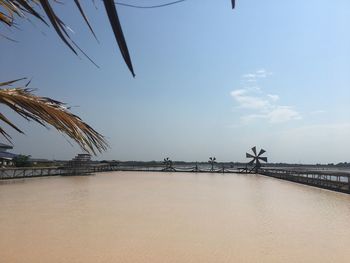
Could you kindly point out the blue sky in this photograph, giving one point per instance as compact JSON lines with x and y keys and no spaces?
{"x":209,"y":80}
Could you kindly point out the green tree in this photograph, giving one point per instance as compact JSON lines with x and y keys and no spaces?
{"x":22,"y":161}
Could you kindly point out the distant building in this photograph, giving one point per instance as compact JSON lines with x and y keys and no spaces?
{"x":82,"y":159}
{"x":79,"y":165}
{"x":6,"y":158}
{"x":5,"y":147}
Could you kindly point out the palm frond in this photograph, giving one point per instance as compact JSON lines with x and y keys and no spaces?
{"x":233,"y":2}
{"x":118,"y":32}
{"x":49,"y":112}
{"x":11,"y":9}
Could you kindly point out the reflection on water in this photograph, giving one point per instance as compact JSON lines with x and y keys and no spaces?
{"x":158,"y":217}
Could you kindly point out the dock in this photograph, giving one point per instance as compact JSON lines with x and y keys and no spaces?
{"x":331,"y":180}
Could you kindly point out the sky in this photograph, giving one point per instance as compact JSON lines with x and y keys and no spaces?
{"x":210,"y":81}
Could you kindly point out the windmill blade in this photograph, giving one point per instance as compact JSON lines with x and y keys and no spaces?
{"x":258,"y":164}
{"x":261,"y":152}
{"x":264,"y":159}
{"x":251,"y":162}
{"x":248,"y":155}
{"x":254,"y":150}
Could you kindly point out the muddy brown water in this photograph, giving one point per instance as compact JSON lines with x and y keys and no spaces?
{"x":164,"y":217}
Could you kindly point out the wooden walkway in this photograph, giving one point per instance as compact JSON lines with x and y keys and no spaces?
{"x":26,"y":172}
{"x":336,"y":181}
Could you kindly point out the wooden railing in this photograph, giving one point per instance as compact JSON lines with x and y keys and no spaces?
{"x":337,"y":181}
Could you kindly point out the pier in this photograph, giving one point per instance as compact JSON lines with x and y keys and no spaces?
{"x":27,"y":172}
{"x":331,"y":180}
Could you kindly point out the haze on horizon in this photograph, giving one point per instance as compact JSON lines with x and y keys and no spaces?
{"x":209,"y":81}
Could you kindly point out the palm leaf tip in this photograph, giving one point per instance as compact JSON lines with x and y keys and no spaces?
{"x":112,"y":14}
{"x":233,"y":2}
{"x":11,"y":9}
{"x":49,"y":112}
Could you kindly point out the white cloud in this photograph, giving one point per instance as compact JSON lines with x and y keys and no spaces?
{"x":246,"y":119}
{"x":249,"y":102}
{"x":238,"y":92}
{"x":254,"y":88}
{"x":249,"y":76}
{"x":318,"y":112}
{"x":262,"y":106}
{"x":273,"y":97}
{"x":283,"y":114}
{"x":251,"y":80}
{"x":278,"y":114}
{"x":261,"y":71}
{"x":258,"y":74}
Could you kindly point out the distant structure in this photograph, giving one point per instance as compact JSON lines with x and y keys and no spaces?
{"x":196,"y":168}
{"x":80,"y":164}
{"x":212,"y":161}
{"x":256,"y":158}
{"x":6,"y":158}
{"x":168,"y":165}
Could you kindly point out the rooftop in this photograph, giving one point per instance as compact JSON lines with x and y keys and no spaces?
{"x":6,"y":155}
{"x":6,"y":146}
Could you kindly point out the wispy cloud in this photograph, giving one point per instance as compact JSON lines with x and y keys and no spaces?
{"x":258,"y":74}
{"x":273,"y":97}
{"x":249,"y":76}
{"x":318,"y":112}
{"x":260,"y":105}
{"x":283,"y":114}
{"x":247,"y":101}
{"x":278,"y":114}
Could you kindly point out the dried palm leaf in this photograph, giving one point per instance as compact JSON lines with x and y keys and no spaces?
{"x":118,"y":32}
{"x":10,"y":9}
{"x":47,"y":112}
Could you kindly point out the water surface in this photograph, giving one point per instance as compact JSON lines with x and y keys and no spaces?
{"x":160,"y":217}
